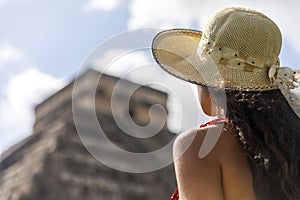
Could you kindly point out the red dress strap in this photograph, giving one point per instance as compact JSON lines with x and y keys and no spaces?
{"x":175,"y":195}
{"x":214,"y":121}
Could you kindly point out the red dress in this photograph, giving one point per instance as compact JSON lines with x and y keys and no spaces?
{"x":175,"y":195}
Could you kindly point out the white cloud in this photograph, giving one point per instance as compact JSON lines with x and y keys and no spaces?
{"x":119,"y":61}
{"x":103,"y":5}
{"x":9,"y":53}
{"x":166,"y":14}
{"x":157,"y":13}
{"x":23,"y":92}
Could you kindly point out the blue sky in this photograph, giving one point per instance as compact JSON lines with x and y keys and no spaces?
{"x":44,"y":43}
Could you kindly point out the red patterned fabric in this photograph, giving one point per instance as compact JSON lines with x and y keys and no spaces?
{"x":175,"y":195}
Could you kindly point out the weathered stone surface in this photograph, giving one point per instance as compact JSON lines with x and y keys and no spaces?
{"x":53,"y":163}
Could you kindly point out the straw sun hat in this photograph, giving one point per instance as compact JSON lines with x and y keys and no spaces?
{"x":238,"y":50}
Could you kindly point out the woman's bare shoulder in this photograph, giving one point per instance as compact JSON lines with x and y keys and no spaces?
{"x":199,"y":177}
{"x":207,"y":140}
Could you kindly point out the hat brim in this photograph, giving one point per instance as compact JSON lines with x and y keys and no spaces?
{"x":172,"y":50}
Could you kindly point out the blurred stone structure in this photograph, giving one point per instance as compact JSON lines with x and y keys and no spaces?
{"x":53,"y":163}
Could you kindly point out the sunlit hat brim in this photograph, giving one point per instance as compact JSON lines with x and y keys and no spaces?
{"x":171,"y":48}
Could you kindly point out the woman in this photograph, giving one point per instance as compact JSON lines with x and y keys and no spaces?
{"x":252,"y":150}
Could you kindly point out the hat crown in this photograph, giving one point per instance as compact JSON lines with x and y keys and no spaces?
{"x":247,"y":31}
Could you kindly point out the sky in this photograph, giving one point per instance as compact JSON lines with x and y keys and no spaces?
{"x":45,"y":44}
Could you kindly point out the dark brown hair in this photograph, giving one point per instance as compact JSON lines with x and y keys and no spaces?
{"x":269,"y":131}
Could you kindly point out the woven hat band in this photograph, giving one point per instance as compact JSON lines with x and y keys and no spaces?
{"x":234,"y":74}
{"x":232,"y":59}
